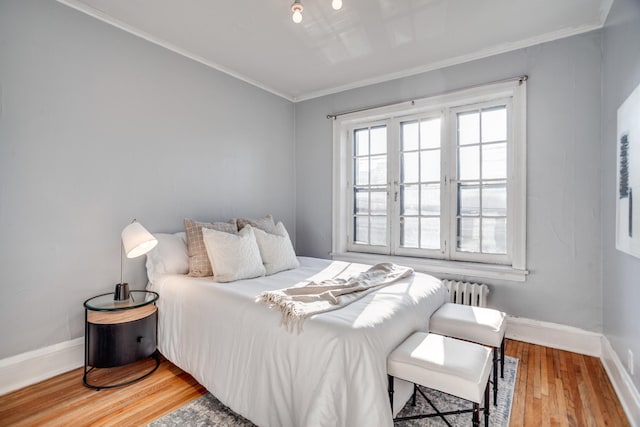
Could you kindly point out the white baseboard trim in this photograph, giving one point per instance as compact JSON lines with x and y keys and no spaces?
{"x":38,"y":365}
{"x":34,"y":366}
{"x":554,"y":335}
{"x":622,"y":383}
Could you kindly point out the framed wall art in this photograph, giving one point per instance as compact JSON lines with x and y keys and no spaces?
{"x":628,"y":175}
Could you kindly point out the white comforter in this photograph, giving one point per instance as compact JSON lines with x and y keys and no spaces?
{"x":331,"y":374}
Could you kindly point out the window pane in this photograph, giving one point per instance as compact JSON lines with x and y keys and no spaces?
{"x":468,"y":128}
{"x":469,"y":163}
{"x":378,"y":203}
{"x":361,"y":202}
{"x":469,"y":234}
{"x":409,"y":136}
{"x":468,"y":200}
{"x":378,"y":170}
{"x":430,"y":133}
{"x":430,"y":199}
{"x":362,"y":171}
{"x":494,"y":161}
{"x":409,"y":200}
{"x":378,"y":230}
{"x":494,"y":124}
{"x":494,"y":235}
{"x":430,"y":166}
{"x":379,"y":140}
{"x":410,"y":167}
{"x":494,"y":200}
{"x":361,"y":229}
{"x":430,"y":233}
{"x":409,"y":232}
{"x":362,"y":142}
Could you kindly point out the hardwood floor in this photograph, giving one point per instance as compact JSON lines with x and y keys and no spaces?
{"x":553,"y":387}
{"x":559,"y":388}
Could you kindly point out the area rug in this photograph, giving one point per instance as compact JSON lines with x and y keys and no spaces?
{"x":207,"y":411}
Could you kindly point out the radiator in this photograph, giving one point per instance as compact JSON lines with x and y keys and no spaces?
{"x":467,"y":293}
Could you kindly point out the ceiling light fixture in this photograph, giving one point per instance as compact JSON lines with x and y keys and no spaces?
{"x":297,"y":9}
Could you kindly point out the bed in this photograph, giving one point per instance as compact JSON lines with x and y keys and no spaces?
{"x":332,"y":373}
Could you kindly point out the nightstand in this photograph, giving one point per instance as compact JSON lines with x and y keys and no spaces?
{"x":118,"y":333}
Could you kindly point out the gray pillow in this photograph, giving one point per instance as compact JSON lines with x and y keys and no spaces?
{"x":265,"y":223}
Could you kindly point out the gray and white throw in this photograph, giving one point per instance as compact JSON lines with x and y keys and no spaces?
{"x":309,"y":298}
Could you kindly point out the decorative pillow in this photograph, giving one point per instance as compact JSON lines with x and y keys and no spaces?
{"x":266,"y":223}
{"x":170,"y":255}
{"x":276,"y":250}
{"x":233,"y":256}
{"x":199,"y":265}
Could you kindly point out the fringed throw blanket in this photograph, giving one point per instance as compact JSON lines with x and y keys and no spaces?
{"x":303,"y":300}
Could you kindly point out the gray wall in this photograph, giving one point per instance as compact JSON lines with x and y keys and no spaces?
{"x":621,"y":272}
{"x":98,"y":127}
{"x":563,"y":160}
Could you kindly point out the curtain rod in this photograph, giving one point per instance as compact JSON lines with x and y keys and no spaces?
{"x":334,"y":116}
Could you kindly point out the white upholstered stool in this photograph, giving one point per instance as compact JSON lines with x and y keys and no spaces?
{"x":445,"y":364}
{"x":480,"y":325}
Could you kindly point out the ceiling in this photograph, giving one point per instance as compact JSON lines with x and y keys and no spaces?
{"x":367,"y":41}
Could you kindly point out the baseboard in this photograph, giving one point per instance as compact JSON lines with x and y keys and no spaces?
{"x":29,"y":368}
{"x":622,"y":383}
{"x":554,"y":335}
{"x":38,"y":365}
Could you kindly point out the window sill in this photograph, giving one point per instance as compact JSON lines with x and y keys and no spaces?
{"x":456,"y":269}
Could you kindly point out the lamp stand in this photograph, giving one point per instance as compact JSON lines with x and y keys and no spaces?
{"x":121,"y":292}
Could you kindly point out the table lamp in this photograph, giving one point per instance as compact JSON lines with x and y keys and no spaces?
{"x":136,"y":241}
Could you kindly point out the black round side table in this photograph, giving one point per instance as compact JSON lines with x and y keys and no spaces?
{"x":120,"y":332}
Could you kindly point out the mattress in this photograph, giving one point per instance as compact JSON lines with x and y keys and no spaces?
{"x":332,"y":373}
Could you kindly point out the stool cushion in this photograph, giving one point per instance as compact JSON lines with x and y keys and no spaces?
{"x":441,"y":363}
{"x":476,"y":324}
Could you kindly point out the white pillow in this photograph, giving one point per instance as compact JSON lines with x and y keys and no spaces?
{"x":169,"y":256}
{"x":233,"y":256}
{"x":276,"y":250}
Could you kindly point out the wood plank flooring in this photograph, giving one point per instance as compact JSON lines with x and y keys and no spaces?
{"x":559,"y":388}
{"x":553,"y":388}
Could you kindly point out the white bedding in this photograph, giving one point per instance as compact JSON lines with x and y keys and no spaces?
{"x":331,"y":374}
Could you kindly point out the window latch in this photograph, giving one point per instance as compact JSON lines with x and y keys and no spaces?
{"x":395,"y":196}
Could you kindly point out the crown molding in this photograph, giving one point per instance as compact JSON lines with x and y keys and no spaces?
{"x":481,"y":54}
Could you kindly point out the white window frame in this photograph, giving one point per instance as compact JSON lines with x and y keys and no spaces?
{"x":449,"y":262}
{"x":453,"y":251}
{"x":352,"y":246}
{"x":395,"y":246}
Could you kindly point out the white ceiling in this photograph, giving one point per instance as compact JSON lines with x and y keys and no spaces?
{"x":368,"y":41}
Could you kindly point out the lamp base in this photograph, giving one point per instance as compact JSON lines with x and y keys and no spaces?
{"x":121,"y":292}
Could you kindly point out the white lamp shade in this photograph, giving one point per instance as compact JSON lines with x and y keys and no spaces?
{"x":136,"y":240}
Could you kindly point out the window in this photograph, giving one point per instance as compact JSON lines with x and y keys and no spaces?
{"x":440,"y":179}
{"x":370,"y":186}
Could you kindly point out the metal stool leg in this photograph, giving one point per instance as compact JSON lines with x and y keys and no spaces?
{"x":413,"y":398}
{"x":486,"y":405}
{"x":495,"y":376}
{"x":502,"y":359}
{"x":390,"y":378}
{"x":475,"y":420}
